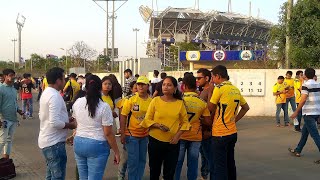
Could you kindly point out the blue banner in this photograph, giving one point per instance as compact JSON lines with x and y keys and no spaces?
{"x":220,"y":55}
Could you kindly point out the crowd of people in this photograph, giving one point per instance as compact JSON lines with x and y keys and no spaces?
{"x":164,"y":118}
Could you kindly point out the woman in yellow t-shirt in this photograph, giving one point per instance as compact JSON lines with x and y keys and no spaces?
{"x":133,"y":136}
{"x":107,"y":95}
{"x":167,"y":119}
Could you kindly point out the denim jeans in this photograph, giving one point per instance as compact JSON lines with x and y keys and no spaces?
{"x":137,"y":156}
{"x":292,"y":101}
{"x":284,"y":107}
{"x":56,"y":159}
{"x":224,"y":167}
{"x":6,"y":136}
{"x":192,"y":148}
{"x":91,"y":156}
{"x":299,"y":117}
{"x":28,"y":102}
{"x":123,"y":164}
{"x":206,"y":156}
{"x":309,"y":127}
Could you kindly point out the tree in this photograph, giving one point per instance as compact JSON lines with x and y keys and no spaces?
{"x":305,"y":34}
{"x":304,"y":29}
{"x":81,"y":52}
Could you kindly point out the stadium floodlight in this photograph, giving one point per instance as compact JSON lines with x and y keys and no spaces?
{"x":20,"y":23}
{"x":20,"y":20}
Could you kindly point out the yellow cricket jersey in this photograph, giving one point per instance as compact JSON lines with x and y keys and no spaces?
{"x":75,"y":87}
{"x":289,"y":83}
{"x":107,"y":99}
{"x":297,"y":88}
{"x":171,"y":114}
{"x":281,"y":98}
{"x":135,"y":108}
{"x":45,"y":83}
{"x":196,"y":107}
{"x":228,"y":99}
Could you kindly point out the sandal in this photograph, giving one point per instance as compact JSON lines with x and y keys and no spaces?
{"x":295,"y":153}
{"x":317,"y":161}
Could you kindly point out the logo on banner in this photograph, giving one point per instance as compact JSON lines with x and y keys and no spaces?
{"x":193,"y":55}
{"x":219,"y":55}
{"x":246,"y":55}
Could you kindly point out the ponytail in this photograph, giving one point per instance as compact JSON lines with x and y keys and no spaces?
{"x":93,"y":85}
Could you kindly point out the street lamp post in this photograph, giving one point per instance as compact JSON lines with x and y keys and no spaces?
{"x":66,"y":59}
{"x":20,"y":23}
{"x":14,"y":53}
{"x":136,"y":30}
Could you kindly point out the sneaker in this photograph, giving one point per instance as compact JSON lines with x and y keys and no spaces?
{"x":30,"y":117}
{"x":118,"y":135}
{"x":296,"y":130}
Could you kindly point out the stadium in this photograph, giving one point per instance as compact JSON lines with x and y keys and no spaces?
{"x":218,"y":36}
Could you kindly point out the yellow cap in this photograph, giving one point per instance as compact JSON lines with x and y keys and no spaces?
{"x":143,"y":80}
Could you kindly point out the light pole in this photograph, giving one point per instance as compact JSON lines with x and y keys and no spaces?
{"x":66,"y":59}
{"x":136,"y":30}
{"x":14,"y":53}
{"x":20,"y":23}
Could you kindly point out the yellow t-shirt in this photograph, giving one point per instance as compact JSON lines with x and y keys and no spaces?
{"x":297,"y":88}
{"x":107,"y":99}
{"x":75,"y":87}
{"x":121,"y":102}
{"x":45,"y":83}
{"x":228,"y":99}
{"x":196,"y":108}
{"x":171,"y":114}
{"x":289,"y":83}
{"x":281,"y":98}
{"x":135,"y":108}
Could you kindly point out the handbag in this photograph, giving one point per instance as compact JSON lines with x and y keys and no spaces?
{"x":7,"y":169}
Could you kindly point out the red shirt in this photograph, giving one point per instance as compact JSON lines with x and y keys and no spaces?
{"x":26,"y":86}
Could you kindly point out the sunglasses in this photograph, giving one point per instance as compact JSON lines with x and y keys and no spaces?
{"x":198,"y":78}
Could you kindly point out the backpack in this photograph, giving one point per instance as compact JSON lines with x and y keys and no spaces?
{"x":68,"y":95}
{"x":7,"y":169}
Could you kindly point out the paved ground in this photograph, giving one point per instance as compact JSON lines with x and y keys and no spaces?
{"x":261,"y":153}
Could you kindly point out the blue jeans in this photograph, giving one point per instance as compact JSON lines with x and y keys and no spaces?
{"x":123,"y":164}
{"x":28,"y":102}
{"x":137,"y":156}
{"x":309,"y":127}
{"x":193,"y":148}
{"x":298,"y":127}
{"x":6,"y":136}
{"x":56,"y":159}
{"x":205,"y":151}
{"x":292,"y":101}
{"x":284,"y":107}
{"x":224,"y":166}
{"x":91,"y":156}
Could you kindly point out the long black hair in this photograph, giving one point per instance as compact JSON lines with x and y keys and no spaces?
{"x":116,"y":87}
{"x":177,"y":94}
{"x":111,"y":92}
{"x":93,"y":86}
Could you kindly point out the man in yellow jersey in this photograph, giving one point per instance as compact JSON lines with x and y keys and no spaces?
{"x":190,"y":141}
{"x":289,"y":84}
{"x":133,"y":135}
{"x":298,"y":81}
{"x":279,"y":90}
{"x":225,"y":102}
{"x":74,"y":85}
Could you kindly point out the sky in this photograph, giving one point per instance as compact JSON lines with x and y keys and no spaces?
{"x":54,"y":24}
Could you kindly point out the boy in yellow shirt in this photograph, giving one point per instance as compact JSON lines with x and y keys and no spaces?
{"x":289,"y":84}
{"x":280,"y":91}
{"x":298,"y":81}
{"x":224,"y":103}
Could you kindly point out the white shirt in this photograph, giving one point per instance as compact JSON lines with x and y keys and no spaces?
{"x":155,"y":80}
{"x":89,"y":127}
{"x":53,"y":115}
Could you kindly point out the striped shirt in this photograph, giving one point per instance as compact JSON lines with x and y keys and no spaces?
{"x":312,"y":105}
